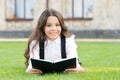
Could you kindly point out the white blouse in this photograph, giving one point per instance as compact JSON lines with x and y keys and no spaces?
{"x":53,"y":50}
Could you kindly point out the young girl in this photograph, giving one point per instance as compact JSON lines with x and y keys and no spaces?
{"x":49,"y":30}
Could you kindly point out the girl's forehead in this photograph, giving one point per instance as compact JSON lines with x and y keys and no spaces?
{"x":52,"y":19}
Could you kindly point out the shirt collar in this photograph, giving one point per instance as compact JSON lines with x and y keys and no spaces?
{"x":56,"y":41}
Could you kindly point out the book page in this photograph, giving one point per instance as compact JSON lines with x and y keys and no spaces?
{"x":44,"y":60}
{"x":62,"y":60}
{"x":55,"y":61}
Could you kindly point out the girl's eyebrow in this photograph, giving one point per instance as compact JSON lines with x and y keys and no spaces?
{"x":48,"y":23}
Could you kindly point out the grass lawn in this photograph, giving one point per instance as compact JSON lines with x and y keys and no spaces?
{"x":101,"y":61}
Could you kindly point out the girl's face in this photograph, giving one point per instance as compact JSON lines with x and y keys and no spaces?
{"x":52,"y":28}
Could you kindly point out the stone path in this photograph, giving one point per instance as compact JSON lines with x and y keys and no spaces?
{"x":81,"y":40}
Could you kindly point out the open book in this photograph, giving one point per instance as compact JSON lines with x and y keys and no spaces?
{"x":58,"y":66}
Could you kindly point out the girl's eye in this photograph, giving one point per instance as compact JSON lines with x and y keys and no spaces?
{"x":48,"y":25}
{"x":57,"y":24}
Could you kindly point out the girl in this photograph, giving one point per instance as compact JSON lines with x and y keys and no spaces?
{"x":49,"y":30}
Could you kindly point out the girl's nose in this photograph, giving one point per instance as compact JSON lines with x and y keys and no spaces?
{"x":53,"y":27}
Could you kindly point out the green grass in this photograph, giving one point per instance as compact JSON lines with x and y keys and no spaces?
{"x":100,"y":60}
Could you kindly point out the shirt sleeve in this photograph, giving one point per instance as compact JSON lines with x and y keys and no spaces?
{"x":31,"y":55}
{"x":71,"y":49}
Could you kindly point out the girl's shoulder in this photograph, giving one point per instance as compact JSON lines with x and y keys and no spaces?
{"x":33,"y":42}
{"x":70,"y":42}
{"x":70,"y":38}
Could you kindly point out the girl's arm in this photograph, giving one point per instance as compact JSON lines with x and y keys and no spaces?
{"x":77,"y":70}
{"x":34,"y":71}
{"x":33,"y":55}
{"x":71,"y":50}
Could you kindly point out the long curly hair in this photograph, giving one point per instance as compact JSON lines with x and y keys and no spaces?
{"x":39,"y":35}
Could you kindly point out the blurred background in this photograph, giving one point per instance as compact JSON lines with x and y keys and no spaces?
{"x":84,"y":18}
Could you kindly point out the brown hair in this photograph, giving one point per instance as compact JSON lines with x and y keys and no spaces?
{"x":39,"y":35}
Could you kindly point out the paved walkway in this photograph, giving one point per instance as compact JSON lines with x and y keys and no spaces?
{"x":81,"y":40}
{"x":98,"y":40}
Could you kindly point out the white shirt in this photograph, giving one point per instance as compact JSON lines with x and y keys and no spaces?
{"x":53,"y":50}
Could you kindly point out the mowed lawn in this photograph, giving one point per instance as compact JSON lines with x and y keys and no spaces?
{"x":101,"y":61}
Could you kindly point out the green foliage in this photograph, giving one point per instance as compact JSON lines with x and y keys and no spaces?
{"x":100,"y":60}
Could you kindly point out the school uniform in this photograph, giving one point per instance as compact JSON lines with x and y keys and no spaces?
{"x":52,"y":50}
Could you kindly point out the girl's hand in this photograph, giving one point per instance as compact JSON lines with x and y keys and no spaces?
{"x":77,"y":70}
{"x":35,"y":71}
